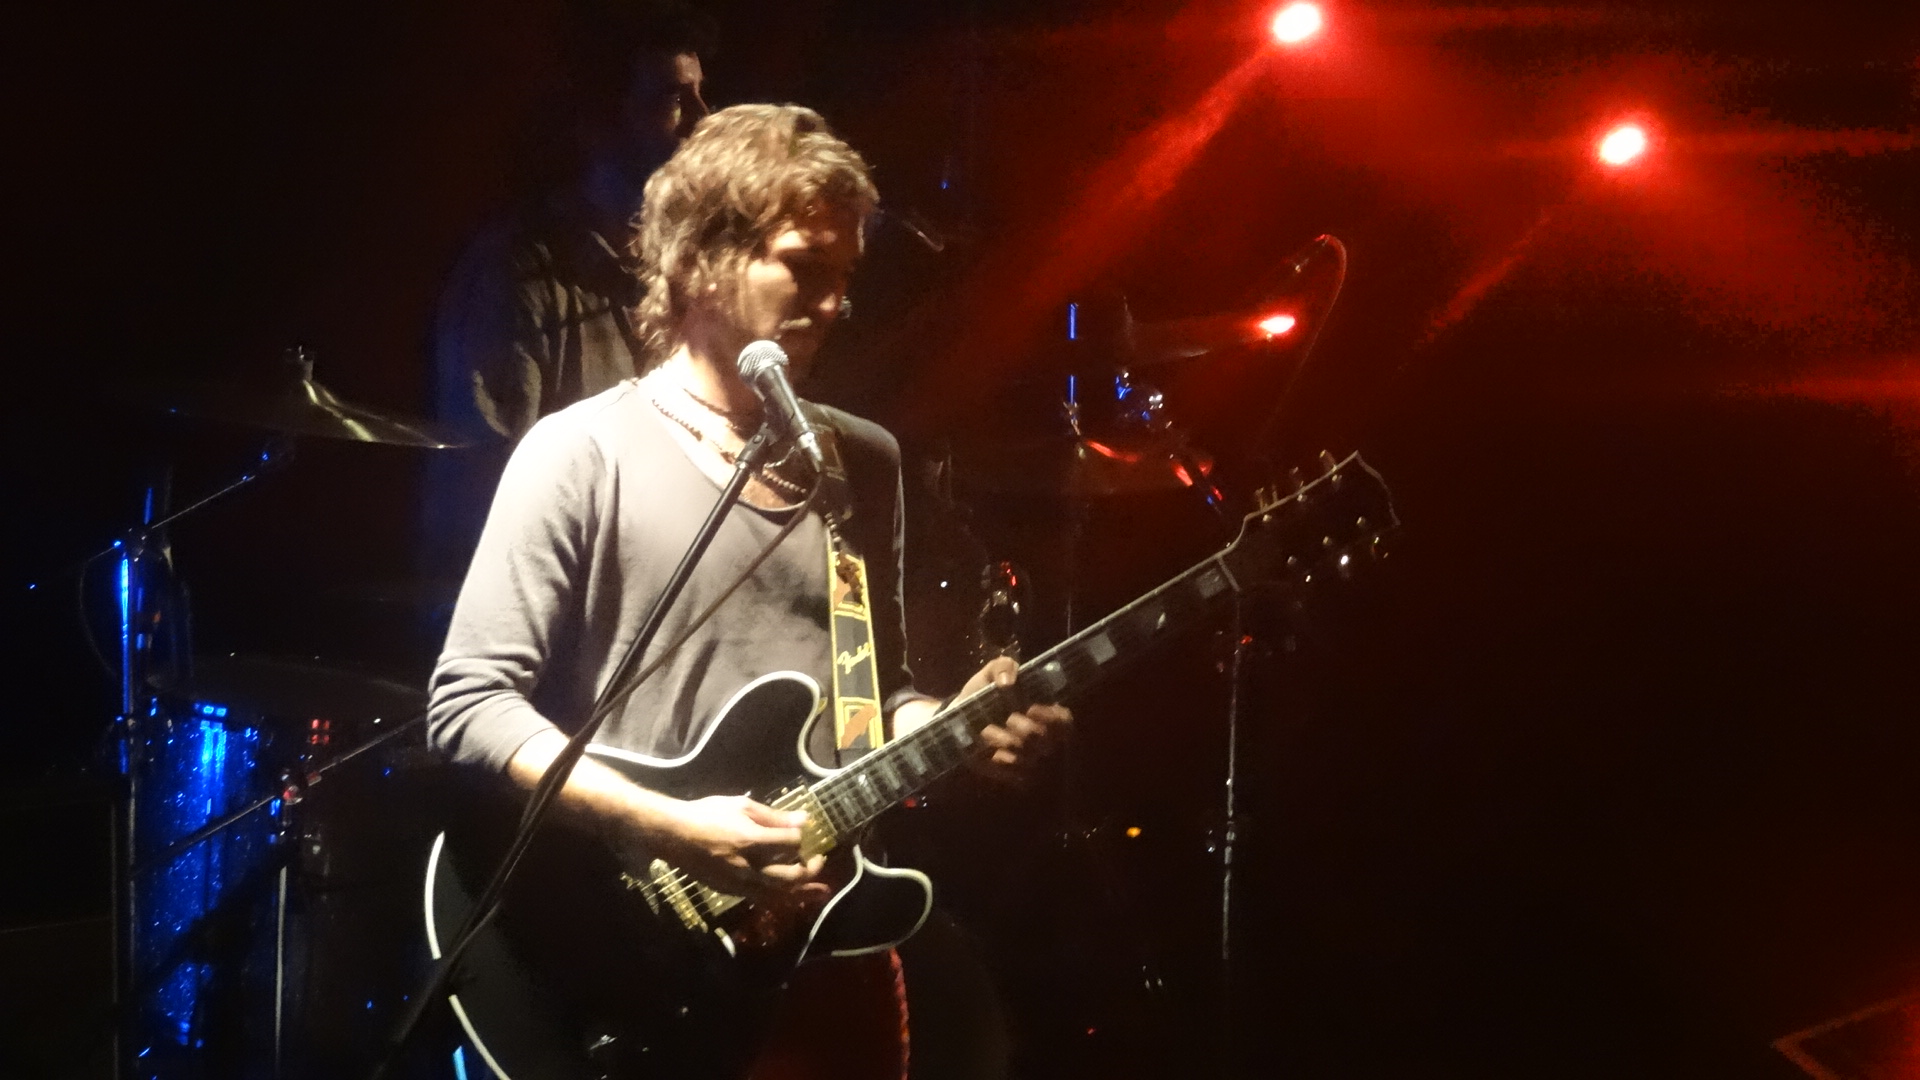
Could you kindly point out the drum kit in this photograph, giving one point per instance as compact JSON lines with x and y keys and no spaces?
{"x":262,"y":873}
{"x":263,"y":900}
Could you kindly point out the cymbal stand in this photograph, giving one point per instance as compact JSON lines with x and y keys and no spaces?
{"x":1078,"y":510}
{"x":137,"y":615}
{"x":143,"y":573}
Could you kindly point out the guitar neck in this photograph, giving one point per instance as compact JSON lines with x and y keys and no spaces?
{"x":857,"y":795}
{"x":1286,"y":539}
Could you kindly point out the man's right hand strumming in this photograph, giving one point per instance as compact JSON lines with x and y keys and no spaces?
{"x":729,"y":842}
{"x":736,"y":844}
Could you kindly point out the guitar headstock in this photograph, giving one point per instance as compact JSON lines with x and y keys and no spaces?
{"x":1324,"y":525}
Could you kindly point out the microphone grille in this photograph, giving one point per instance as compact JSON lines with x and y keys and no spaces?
{"x":760,"y":356}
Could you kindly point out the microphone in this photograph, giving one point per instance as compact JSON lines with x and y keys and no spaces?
{"x":763,"y":365}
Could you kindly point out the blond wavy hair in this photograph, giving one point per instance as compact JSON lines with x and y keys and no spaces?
{"x":743,"y":174}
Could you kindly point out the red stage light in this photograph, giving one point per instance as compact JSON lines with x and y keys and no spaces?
{"x":1296,"y":23}
{"x":1623,"y":144}
{"x":1275,"y":325}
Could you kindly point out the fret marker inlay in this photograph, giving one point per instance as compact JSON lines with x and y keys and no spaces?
{"x":1100,"y":647}
{"x":1051,"y":678}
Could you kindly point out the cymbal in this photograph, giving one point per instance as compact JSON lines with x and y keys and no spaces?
{"x":1081,"y":467}
{"x":1172,"y":340}
{"x":298,"y":689}
{"x":294,"y":403}
{"x":1292,"y":295}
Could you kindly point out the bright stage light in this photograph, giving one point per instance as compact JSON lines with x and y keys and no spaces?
{"x":1296,"y":23}
{"x":1275,"y":325}
{"x":1622,"y":145}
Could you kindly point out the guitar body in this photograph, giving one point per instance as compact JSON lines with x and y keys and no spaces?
{"x":581,"y":976}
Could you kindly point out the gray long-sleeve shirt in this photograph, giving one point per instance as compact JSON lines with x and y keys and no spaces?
{"x":593,"y":511}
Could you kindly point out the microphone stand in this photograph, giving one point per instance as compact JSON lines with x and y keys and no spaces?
{"x":540,"y":803}
{"x":1229,"y":1064}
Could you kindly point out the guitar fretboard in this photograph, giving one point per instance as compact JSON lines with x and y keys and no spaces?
{"x":862,"y":792}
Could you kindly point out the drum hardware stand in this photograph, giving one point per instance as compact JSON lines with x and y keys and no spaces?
{"x":286,"y":838}
{"x":295,"y":406}
{"x":135,"y":653}
{"x":293,"y":789}
{"x":1076,"y":511}
{"x":1229,"y":834}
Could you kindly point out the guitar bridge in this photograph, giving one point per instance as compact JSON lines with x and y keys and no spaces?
{"x":677,"y":890}
{"x":644,"y":888}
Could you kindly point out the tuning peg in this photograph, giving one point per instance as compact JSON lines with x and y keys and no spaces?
{"x":1328,"y":465}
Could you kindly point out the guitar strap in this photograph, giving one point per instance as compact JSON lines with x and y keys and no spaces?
{"x":856,"y":690}
{"x":857,"y":724}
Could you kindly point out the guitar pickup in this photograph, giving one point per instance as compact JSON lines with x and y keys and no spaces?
{"x":817,"y":836}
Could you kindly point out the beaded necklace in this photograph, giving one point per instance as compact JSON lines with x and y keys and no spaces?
{"x":739,"y":421}
{"x":766,"y":475}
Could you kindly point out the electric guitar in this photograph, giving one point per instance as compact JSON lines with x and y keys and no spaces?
{"x":608,"y":964}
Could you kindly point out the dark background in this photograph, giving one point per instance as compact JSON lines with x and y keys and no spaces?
{"x":1609,"y":770}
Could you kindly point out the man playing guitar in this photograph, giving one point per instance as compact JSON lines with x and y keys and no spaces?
{"x":750,"y":233}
